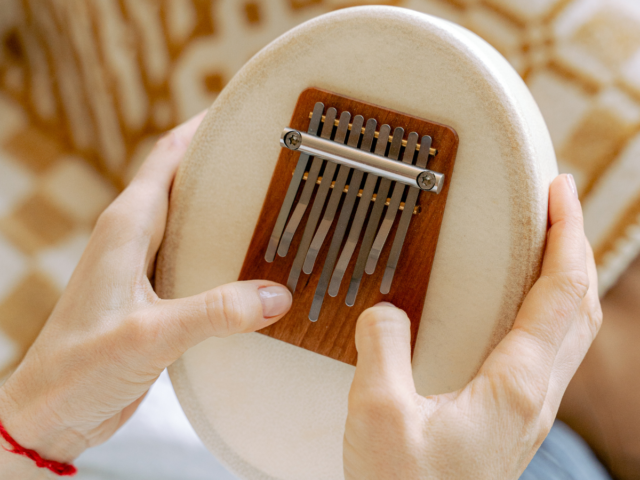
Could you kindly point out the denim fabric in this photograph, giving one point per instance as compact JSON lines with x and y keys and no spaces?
{"x":564,"y":456}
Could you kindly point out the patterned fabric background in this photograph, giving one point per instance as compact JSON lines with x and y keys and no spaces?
{"x":87,"y":85}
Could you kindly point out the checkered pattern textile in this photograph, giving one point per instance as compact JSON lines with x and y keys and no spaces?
{"x":87,"y":85}
{"x":49,"y":199}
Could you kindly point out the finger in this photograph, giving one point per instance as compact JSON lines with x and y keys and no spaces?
{"x":553,"y":302}
{"x":565,"y":252}
{"x":140,"y":211}
{"x":524,"y":358}
{"x":238,"y":307}
{"x":150,"y":187}
{"x":383,"y":408}
{"x":383,"y":341}
{"x":161,"y":164}
{"x":578,"y":339}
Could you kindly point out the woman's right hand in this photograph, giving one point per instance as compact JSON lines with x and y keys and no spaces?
{"x":491,"y":428}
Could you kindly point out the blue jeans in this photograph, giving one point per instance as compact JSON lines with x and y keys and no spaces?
{"x":564,"y":456}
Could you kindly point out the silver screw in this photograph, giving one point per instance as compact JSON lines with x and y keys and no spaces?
{"x":293,"y":140}
{"x":426,"y":180}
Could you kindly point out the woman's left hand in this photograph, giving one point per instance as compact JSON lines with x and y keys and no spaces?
{"x":110,"y":336}
{"x":492,"y":427}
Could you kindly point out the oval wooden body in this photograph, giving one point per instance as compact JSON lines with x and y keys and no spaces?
{"x":271,"y":410}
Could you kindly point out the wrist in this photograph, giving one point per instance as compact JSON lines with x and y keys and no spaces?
{"x":16,"y":466}
{"x":35,"y":429}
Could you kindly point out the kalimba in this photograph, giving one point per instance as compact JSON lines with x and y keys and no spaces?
{"x":370,"y":173}
{"x":267,"y":408}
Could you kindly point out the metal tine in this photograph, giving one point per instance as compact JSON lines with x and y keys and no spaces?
{"x":318,"y":203}
{"x":334,"y":200}
{"x":307,"y":191}
{"x":358,"y":220}
{"x":343,"y":221}
{"x":374,"y":220}
{"x":405,"y":219}
{"x":298,"y":173}
{"x":392,"y":209}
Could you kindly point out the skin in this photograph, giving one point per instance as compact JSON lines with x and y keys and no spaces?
{"x":110,"y":336}
{"x":492,"y":427}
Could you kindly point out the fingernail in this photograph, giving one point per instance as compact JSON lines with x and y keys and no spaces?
{"x":385,"y":304}
{"x":276,"y":300}
{"x":572,"y":184}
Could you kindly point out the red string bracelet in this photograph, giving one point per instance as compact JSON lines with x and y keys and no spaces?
{"x":62,"y":469}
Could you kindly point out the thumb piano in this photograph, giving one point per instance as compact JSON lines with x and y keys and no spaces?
{"x":366,"y":233}
{"x":307,"y":171}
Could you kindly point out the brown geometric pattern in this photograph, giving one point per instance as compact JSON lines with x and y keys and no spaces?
{"x":49,"y":200}
{"x":88,"y":84}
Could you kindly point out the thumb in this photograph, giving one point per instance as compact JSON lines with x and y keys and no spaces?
{"x":383,"y":341}
{"x":237,"y":307}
